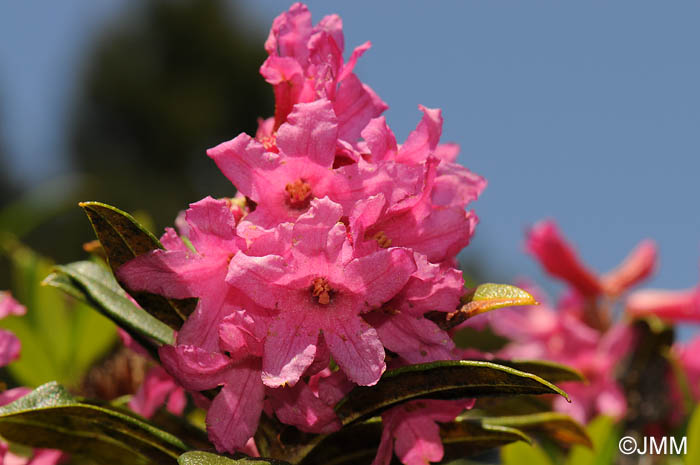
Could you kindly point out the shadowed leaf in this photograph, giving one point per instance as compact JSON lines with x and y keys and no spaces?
{"x":207,"y":458}
{"x":440,"y":380}
{"x":123,"y":238}
{"x":551,"y":371}
{"x":49,"y":417}
{"x":557,"y":426}
{"x":358,"y":443}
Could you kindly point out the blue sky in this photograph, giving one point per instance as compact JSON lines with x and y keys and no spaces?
{"x":585,"y":112}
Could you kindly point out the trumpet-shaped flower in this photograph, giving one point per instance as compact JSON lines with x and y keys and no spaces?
{"x":317,"y":285}
{"x":283,"y":183}
{"x":305,"y":64}
{"x":559,"y":258}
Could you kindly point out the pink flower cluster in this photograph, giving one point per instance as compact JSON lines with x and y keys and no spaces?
{"x":674,"y":306}
{"x":578,"y":331}
{"x":9,"y":351}
{"x":337,"y":244}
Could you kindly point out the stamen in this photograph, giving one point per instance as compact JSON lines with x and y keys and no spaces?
{"x":298,"y":194}
{"x":270,"y":143}
{"x":321,"y":289}
{"x":383,"y":241}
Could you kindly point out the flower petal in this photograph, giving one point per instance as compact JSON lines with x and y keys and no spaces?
{"x":195,"y":369}
{"x":380,"y":275}
{"x":310,"y":132}
{"x":9,"y":347}
{"x":638,"y":265}
{"x":235,"y":412}
{"x":546,"y":243}
{"x":290,"y":348}
{"x":356,"y":348}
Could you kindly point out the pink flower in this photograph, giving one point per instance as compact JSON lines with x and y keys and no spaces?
{"x":283,"y":183}
{"x":401,"y":325}
{"x":158,"y":388}
{"x":9,"y":306}
{"x":674,"y":306}
{"x":601,"y":394}
{"x":179,"y":272}
{"x":433,"y":223}
{"x":638,"y":265}
{"x":233,"y":415}
{"x":688,"y":355}
{"x":411,"y":430}
{"x":306,"y":63}
{"x":317,"y":285}
{"x":9,"y":344}
{"x":559,"y":335}
{"x":559,"y":258}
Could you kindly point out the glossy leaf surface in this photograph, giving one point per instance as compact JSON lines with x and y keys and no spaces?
{"x":123,"y":238}
{"x":49,"y":417}
{"x":440,"y":380}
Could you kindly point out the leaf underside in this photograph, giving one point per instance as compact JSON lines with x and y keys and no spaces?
{"x":123,"y":239}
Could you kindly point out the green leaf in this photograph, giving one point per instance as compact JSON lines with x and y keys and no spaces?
{"x":358,"y":443}
{"x":519,"y":454}
{"x":557,"y":426}
{"x":56,"y":343}
{"x":123,"y":238}
{"x":467,"y":437}
{"x":483,"y":299}
{"x":693,"y":435}
{"x":605,"y":436}
{"x":493,"y":296}
{"x":551,"y":371}
{"x":207,"y":458}
{"x":98,"y":287}
{"x":49,"y":417}
{"x":439,"y":380}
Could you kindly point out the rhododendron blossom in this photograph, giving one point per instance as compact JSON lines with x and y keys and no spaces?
{"x":337,"y":244}
{"x":412,"y":430}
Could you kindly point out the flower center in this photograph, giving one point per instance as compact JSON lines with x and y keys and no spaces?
{"x":383,"y":241}
{"x":270,"y":143}
{"x":321,"y":289}
{"x":298,"y":194}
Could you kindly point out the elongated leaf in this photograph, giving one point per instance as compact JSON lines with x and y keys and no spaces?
{"x":557,"y":426}
{"x":49,"y":417}
{"x":551,"y":371}
{"x":465,"y":437}
{"x":207,"y":458}
{"x":358,"y":443}
{"x":123,"y":238}
{"x":98,"y":287}
{"x":484,"y":298}
{"x":440,"y":380}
